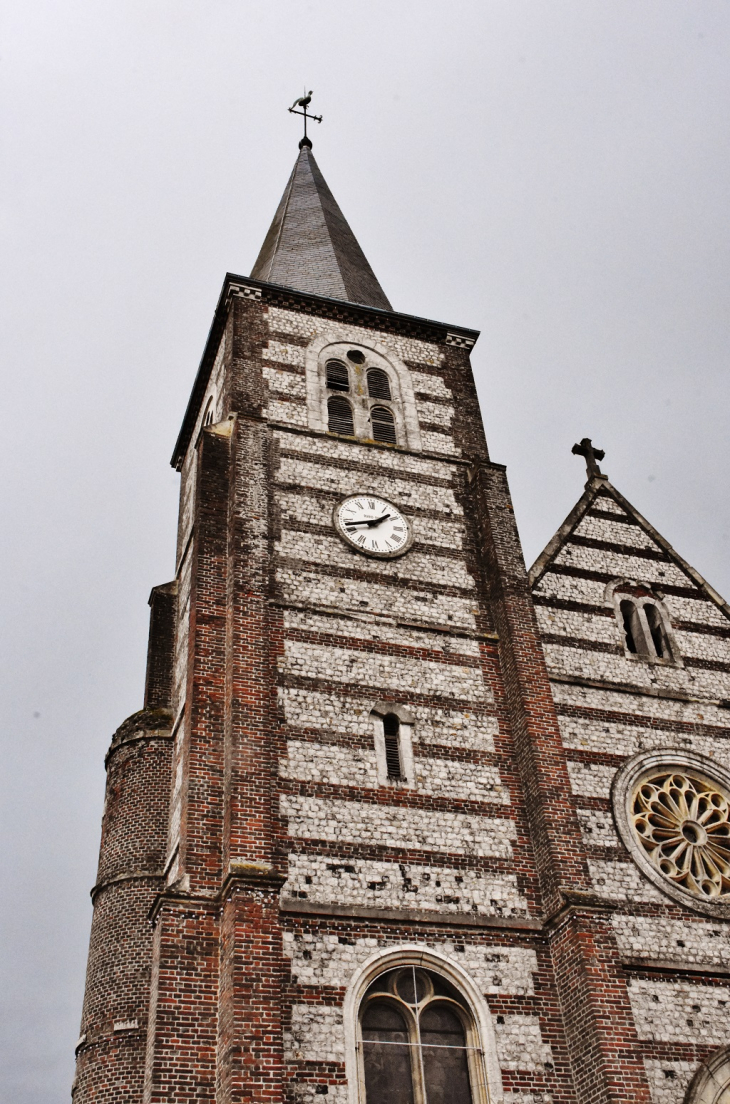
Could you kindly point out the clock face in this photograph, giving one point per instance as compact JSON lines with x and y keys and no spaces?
{"x":373,"y":526}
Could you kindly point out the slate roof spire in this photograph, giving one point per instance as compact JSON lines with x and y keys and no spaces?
{"x":310,"y":247}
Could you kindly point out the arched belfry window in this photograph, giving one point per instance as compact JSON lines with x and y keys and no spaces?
{"x":383,"y":424}
{"x":418,"y":1041}
{"x":644,"y":624}
{"x":378,"y":384}
{"x":338,"y":377}
{"x":339,"y":414}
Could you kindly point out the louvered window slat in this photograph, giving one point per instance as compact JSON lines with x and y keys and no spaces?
{"x":383,"y":425}
{"x":339,"y":414}
{"x":378,"y":384}
{"x":391,"y":731}
{"x":338,"y":377}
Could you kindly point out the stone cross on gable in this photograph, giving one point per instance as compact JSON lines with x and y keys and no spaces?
{"x":592,"y":456}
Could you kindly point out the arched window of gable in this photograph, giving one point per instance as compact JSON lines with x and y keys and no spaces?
{"x":644,"y":623}
{"x":339,"y":414}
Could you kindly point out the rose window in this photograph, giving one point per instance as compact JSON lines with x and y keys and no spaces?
{"x":682,"y":821}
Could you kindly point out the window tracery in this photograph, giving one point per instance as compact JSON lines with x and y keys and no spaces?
{"x":672,"y":810}
{"x":418,"y":1040}
{"x":682,"y":821}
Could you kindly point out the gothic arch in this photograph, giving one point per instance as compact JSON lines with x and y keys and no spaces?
{"x":488,"y":1090}
{"x":403,"y":404}
{"x":711,"y":1083}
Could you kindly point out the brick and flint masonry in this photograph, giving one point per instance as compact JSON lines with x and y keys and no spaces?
{"x":254,"y":860}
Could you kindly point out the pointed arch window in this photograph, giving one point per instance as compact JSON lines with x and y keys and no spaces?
{"x":379,"y":384}
{"x":383,"y":424}
{"x":418,"y":1041}
{"x":339,"y":414}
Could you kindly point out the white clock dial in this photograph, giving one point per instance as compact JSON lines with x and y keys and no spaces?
{"x":373,"y":525}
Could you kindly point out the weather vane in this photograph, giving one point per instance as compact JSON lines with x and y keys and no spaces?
{"x":304,"y":102}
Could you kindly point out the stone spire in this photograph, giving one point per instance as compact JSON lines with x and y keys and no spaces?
{"x":310,"y":247}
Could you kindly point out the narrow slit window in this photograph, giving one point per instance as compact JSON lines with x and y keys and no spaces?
{"x":338,"y":377}
{"x":378,"y":384}
{"x":391,"y":732}
{"x":339,"y":414}
{"x":383,"y":425}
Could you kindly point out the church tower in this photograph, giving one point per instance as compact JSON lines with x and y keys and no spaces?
{"x":350,"y":847}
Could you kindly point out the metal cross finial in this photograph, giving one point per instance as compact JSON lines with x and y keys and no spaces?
{"x":592,"y":456}
{"x":304,"y":102}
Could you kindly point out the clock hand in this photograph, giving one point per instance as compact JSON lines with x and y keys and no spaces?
{"x":369,"y":522}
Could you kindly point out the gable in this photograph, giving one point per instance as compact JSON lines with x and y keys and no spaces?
{"x":606,"y":544}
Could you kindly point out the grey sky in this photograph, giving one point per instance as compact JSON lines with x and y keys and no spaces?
{"x":554,"y":174}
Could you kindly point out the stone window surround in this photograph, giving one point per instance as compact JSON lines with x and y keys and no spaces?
{"x":402,"y":405}
{"x":486,"y":1089}
{"x":622,"y":791}
{"x":618,"y":590}
{"x":711,"y":1083}
{"x":405,"y":744}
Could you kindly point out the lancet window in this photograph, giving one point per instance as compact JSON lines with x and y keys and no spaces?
{"x":418,"y":1041}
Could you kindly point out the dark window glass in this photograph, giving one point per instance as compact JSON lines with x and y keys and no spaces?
{"x":386,"y":1056}
{"x":656,"y":628}
{"x":378,"y":384}
{"x":631,"y":626}
{"x":383,"y":425}
{"x":391,"y":730}
{"x":356,"y":356}
{"x":339,"y":413}
{"x":338,"y":377}
{"x":445,"y":1065}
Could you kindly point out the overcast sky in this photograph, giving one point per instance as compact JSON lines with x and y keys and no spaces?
{"x":554,"y":174}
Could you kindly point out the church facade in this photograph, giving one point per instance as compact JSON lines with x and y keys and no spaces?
{"x":400,"y":822}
